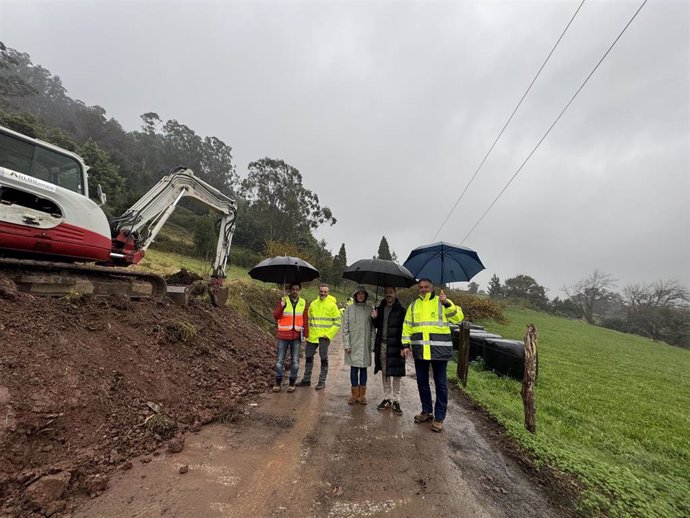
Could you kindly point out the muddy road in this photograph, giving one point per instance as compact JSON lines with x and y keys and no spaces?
{"x":309,"y":453}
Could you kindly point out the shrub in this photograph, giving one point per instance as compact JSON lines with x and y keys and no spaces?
{"x":244,"y":257}
{"x":254,"y":301}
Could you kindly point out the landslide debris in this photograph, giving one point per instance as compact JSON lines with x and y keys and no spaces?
{"x":87,"y":384}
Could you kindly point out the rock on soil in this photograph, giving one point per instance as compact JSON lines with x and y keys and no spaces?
{"x":76,"y":377}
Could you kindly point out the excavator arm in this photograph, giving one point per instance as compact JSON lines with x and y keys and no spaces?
{"x":137,"y":228}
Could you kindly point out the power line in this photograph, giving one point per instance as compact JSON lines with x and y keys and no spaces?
{"x":555,"y":121}
{"x":508,"y":121}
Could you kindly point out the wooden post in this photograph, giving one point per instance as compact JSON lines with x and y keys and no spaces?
{"x":529,"y":378}
{"x":464,"y":352}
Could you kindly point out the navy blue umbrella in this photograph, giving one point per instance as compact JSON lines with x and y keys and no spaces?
{"x":444,"y":263}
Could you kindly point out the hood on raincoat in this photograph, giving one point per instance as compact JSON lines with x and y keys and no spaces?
{"x":357,"y":290}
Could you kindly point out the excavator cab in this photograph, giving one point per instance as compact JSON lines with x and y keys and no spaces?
{"x":46,"y":214}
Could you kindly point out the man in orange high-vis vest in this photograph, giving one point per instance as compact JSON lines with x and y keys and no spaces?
{"x":293,"y":328}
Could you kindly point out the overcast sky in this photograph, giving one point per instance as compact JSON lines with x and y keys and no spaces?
{"x":387,"y":109}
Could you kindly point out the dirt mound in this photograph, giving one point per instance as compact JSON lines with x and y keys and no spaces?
{"x":183,"y":278}
{"x":85,"y":384}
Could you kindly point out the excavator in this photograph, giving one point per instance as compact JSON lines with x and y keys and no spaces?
{"x":54,"y":239}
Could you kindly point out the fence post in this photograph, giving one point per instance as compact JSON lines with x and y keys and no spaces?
{"x":464,"y":352}
{"x":529,"y":378}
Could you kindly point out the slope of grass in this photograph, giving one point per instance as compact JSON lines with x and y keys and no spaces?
{"x":252,"y":298}
{"x":166,"y":263}
{"x":612,"y":409}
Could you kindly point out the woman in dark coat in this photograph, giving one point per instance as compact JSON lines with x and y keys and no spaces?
{"x":388,"y":358}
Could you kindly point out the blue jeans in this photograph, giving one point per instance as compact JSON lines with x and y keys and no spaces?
{"x":294,"y":357}
{"x":358,"y":376}
{"x":421,"y":368}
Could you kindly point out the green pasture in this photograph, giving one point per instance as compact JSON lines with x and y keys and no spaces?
{"x":612,"y":409}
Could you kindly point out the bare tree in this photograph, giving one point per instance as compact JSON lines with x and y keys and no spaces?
{"x":588,"y":293}
{"x":656,"y":310}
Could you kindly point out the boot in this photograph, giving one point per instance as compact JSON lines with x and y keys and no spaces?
{"x":355,"y":396}
{"x":306,"y":379}
{"x":291,"y":386}
{"x":362,"y":400}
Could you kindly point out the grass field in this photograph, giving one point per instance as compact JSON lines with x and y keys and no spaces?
{"x":613,"y":410}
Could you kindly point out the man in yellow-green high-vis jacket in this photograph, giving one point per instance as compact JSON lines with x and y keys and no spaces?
{"x":426,"y":331}
{"x":324,"y":324}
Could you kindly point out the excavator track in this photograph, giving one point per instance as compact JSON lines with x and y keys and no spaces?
{"x":54,"y":279}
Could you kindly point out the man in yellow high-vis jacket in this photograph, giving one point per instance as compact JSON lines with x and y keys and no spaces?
{"x":324,"y":324}
{"x":426,"y":330}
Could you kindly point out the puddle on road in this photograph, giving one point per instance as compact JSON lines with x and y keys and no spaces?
{"x":366,"y":508}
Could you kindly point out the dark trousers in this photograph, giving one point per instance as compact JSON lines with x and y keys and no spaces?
{"x":439,"y":367}
{"x":309,"y":352}
{"x":358,"y":376}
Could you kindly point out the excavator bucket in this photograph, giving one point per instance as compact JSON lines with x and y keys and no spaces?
{"x":179,"y":295}
{"x":219,"y":295}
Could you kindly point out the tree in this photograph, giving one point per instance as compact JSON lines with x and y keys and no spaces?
{"x":384,"y":252}
{"x":339,"y":264}
{"x":473,"y":288}
{"x":281,"y":206}
{"x":526,"y":288}
{"x":566,"y":308}
{"x":11,"y":83}
{"x":495,"y":289}
{"x":659,"y":311}
{"x":206,"y":236}
{"x":590,"y":293}
{"x":104,"y":172}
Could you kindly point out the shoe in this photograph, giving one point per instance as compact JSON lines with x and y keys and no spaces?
{"x":362,"y":400}
{"x":436,"y":426}
{"x":396,"y":408}
{"x":320,"y":385}
{"x":355,"y":395}
{"x":386,"y":403}
{"x":303,"y":383}
{"x":423,"y":418}
{"x":276,"y":387}
{"x":291,"y":388}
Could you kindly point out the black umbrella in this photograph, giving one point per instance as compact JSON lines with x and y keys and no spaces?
{"x":443,"y":262}
{"x":284,"y":269}
{"x":379,"y":272}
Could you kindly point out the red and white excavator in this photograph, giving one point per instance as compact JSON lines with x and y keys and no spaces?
{"x":49,"y":225}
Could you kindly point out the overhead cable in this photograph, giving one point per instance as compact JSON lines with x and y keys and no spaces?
{"x":555,"y":121}
{"x":508,"y":121}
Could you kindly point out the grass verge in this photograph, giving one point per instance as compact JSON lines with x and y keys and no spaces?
{"x":612,"y":410}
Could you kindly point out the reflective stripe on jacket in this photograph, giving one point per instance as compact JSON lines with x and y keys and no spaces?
{"x":324,"y":319}
{"x":292,"y":318}
{"x":284,"y":318}
{"x":427,"y":327}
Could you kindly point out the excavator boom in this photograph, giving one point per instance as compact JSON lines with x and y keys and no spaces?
{"x":48,"y":224}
